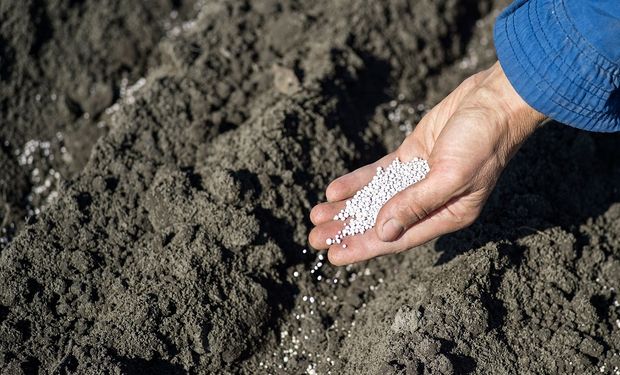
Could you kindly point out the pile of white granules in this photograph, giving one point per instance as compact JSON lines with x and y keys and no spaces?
{"x":362,"y":210}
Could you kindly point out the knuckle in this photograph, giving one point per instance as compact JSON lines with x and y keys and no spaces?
{"x":412,"y":211}
{"x":467,"y":220}
{"x":462,"y":217}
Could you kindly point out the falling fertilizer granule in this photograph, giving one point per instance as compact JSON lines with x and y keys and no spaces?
{"x":362,"y":210}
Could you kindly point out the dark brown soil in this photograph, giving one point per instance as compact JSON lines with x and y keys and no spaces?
{"x":180,"y":246}
{"x":62,"y":63}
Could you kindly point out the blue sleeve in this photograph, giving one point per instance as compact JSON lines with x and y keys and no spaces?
{"x":563,"y":58}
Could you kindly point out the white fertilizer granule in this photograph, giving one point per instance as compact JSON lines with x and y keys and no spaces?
{"x":362,"y":210}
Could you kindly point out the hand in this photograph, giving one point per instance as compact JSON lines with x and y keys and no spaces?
{"x":467,"y":139}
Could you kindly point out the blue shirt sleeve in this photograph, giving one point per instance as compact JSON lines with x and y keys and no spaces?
{"x":563,"y":58}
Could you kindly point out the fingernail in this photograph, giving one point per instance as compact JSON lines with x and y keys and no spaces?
{"x":391,"y":230}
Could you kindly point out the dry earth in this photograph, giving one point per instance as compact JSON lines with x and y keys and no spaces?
{"x":177,"y":243}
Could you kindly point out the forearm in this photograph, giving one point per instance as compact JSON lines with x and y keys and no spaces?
{"x":562,"y":57}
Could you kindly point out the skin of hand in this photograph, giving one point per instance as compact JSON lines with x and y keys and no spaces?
{"x":468,"y":138}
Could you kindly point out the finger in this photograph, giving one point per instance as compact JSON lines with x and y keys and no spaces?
{"x":318,"y":235}
{"x":417,"y":202}
{"x":368,"y":245}
{"x":441,"y":222}
{"x":345,"y":186}
{"x":324,"y":212}
{"x":358,"y":248}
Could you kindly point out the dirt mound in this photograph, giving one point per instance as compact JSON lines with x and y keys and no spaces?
{"x":531,"y":287}
{"x":62,"y":63}
{"x":180,"y":247}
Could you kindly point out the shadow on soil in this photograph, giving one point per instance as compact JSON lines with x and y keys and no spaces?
{"x":561,"y":177}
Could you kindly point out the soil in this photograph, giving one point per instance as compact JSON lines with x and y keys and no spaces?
{"x":62,"y":64}
{"x":179,"y":244}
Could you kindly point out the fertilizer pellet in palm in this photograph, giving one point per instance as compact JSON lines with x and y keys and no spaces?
{"x":360,"y":212}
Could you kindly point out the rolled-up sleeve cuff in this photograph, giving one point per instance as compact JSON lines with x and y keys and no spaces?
{"x":554,"y":68}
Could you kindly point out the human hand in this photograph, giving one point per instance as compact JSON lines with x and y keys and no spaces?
{"x":467,"y":139}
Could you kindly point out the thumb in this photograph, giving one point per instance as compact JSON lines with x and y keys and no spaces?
{"x":417,"y":202}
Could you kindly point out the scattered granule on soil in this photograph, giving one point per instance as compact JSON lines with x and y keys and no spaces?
{"x":362,"y":210}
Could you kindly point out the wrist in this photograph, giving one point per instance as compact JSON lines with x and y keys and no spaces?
{"x":518,"y":114}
